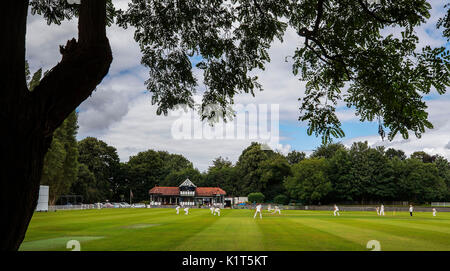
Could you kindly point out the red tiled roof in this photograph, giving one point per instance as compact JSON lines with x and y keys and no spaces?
{"x":209,"y":191}
{"x":199,"y":191}
{"x":170,"y":191}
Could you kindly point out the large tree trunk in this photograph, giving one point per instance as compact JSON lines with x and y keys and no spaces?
{"x":29,"y":118}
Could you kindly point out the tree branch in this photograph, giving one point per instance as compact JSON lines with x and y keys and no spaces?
{"x":374,"y":15}
{"x":82,"y":68}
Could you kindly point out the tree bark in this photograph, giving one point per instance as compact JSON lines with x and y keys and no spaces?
{"x":29,"y":118}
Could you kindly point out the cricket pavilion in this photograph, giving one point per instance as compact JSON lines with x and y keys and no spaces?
{"x":187,"y":194}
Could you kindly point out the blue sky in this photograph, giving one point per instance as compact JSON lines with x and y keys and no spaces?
{"x":120,"y":112}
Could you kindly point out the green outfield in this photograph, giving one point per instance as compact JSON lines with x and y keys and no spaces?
{"x":162,"y":229}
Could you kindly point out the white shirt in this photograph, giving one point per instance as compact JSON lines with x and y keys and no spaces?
{"x":336,"y":208}
{"x":411,"y":209}
{"x":258,"y":208}
{"x":217,"y":210}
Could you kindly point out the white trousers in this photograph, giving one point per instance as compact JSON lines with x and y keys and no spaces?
{"x":260,"y":214}
{"x":336,"y":212}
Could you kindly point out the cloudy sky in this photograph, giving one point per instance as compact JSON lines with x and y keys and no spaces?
{"x":120,"y":113}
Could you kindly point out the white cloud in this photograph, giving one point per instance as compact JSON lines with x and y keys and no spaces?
{"x":433,"y":141}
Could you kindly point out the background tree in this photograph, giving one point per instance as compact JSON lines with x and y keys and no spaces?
{"x":339,"y":171}
{"x":60,"y":169}
{"x":223,"y":174}
{"x":145,"y":171}
{"x":175,"y":178}
{"x":421,"y":182}
{"x":294,"y":157}
{"x":327,"y":150}
{"x":85,"y":185}
{"x":443,"y":169}
{"x":102,"y":161}
{"x":274,"y":171}
{"x":423,"y":156}
{"x":281,"y":199}
{"x":309,"y":182}
{"x":391,"y":153}
{"x":249,"y":168}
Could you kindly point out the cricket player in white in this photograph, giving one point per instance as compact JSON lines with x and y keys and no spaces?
{"x":258,"y":210}
{"x":378,"y":210}
{"x":212,"y":210}
{"x":217,"y":210}
{"x":411,"y":209}
{"x":178,"y":209}
{"x":336,"y":210}
{"x":186,"y":210}
{"x":277,"y":210}
{"x":382,"y":209}
{"x":434,"y":211}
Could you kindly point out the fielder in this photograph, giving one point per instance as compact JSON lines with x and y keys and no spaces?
{"x":212,"y":209}
{"x":276,"y":210}
{"x":336,"y":210}
{"x":258,"y":210}
{"x":178,"y":209}
{"x":382,"y":209}
{"x":378,"y":210}
{"x":434,"y":212}
{"x":411,"y":209}
{"x":217,"y":210}
{"x":186,"y":210}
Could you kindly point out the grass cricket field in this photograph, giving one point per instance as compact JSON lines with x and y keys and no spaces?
{"x":164,"y":230}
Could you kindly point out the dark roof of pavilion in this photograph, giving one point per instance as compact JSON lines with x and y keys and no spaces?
{"x":164,"y":190}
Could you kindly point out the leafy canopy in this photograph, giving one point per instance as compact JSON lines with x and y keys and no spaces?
{"x":344,"y":57}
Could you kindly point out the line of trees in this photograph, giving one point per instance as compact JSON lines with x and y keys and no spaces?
{"x":332,"y":173}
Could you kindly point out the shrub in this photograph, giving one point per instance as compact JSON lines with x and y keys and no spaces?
{"x":256,"y":197}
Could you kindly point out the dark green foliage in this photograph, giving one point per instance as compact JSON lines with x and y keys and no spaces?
{"x":256,"y":197}
{"x":309,"y":182}
{"x":294,"y":157}
{"x":262,"y":171}
{"x":327,"y":150}
{"x":55,"y":11}
{"x":175,"y":178}
{"x":391,"y":153}
{"x":423,"y":156}
{"x":281,"y":199}
{"x":61,"y":161}
{"x":360,"y":174}
{"x":103,"y":162}
{"x":222,"y":174}
{"x":420,"y":182}
{"x":150,"y":168}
